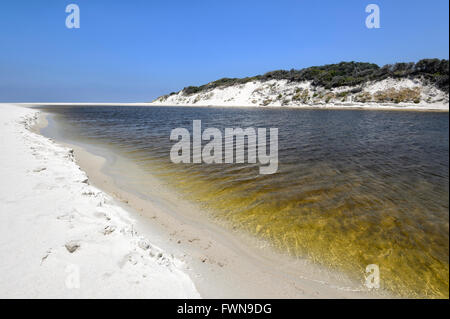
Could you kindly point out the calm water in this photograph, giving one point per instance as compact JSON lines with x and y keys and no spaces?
{"x":353,"y":187}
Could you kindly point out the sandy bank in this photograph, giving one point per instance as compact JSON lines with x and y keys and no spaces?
{"x":60,"y":237}
{"x":387,"y":94}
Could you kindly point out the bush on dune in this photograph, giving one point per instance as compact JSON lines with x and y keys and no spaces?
{"x":432,"y":71}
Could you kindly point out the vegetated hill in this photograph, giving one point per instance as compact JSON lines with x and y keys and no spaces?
{"x":326,"y":83}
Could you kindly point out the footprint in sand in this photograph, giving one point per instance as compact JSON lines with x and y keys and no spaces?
{"x":108,"y":230}
{"x":72,"y":246}
{"x":46,"y":255}
{"x":39,"y":169}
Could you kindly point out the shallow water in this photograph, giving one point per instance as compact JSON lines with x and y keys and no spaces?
{"x":353,"y":187}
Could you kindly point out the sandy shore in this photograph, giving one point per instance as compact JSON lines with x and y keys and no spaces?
{"x":61,"y":237}
{"x":222,"y":263}
{"x":124,"y":244}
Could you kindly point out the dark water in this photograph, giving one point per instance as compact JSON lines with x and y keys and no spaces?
{"x":353,"y":187}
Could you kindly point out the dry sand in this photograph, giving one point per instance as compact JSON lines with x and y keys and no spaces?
{"x":61,"y":237}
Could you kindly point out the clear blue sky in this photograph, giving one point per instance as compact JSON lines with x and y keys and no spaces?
{"x":137,"y":50}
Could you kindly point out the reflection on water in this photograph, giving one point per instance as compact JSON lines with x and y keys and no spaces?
{"x":353,"y":187}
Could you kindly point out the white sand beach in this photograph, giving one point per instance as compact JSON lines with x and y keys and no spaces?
{"x":63,"y":238}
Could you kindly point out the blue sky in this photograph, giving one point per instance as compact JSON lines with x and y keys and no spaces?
{"x":137,"y":50}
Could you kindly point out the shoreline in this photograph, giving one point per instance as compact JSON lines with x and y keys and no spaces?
{"x":61,"y":237}
{"x":362,"y":106}
{"x":221,"y":263}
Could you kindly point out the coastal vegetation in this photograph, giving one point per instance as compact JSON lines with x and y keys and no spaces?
{"x":431,"y":71}
{"x":347,"y":83}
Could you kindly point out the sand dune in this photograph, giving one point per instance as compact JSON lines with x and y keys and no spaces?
{"x":282,"y":93}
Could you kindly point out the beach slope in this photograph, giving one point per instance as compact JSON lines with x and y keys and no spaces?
{"x":60,"y":237}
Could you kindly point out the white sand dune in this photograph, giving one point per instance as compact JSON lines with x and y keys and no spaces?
{"x":277,"y":93}
{"x":63,"y":238}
